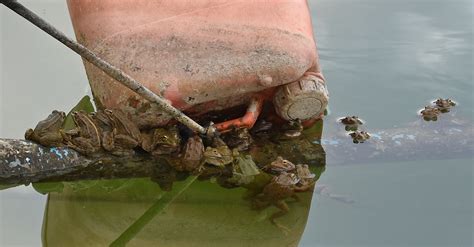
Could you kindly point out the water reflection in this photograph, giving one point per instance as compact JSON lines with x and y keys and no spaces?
{"x":198,"y":211}
{"x":403,"y":196}
{"x":394,"y":55}
{"x":449,"y":137}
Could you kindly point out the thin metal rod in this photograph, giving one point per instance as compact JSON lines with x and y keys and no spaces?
{"x":109,"y":69}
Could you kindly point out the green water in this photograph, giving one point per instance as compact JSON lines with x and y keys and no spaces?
{"x":383,"y":60}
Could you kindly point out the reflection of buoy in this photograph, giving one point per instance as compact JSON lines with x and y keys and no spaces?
{"x":304,"y":99}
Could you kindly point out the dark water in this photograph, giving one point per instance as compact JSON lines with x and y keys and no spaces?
{"x":384,"y":60}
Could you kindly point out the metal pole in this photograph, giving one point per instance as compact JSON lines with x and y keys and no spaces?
{"x":109,"y":69}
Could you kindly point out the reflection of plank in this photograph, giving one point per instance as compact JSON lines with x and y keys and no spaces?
{"x":323,"y":190}
{"x":22,"y":162}
{"x":426,"y":141}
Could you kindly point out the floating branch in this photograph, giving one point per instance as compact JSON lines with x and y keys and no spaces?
{"x":23,"y":162}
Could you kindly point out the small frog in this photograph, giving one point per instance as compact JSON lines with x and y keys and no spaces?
{"x":293,"y":128}
{"x":306,"y":177}
{"x":279,"y":165}
{"x":244,"y":170}
{"x":239,"y":139}
{"x":303,"y":172}
{"x":161,"y":141}
{"x":275,"y":192}
{"x":105,"y":124}
{"x":148,"y":116}
{"x":213,"y":172}
{"x":219,"y":156}
{"x":48,"y":131}
{"x":430,"y":113}
{"x":125,"y":134}
{"x":359,"y":136}
{"x":86,"y":137}
{"x":191,"y":156}
{"x":444,"y":105}
{"x":194,"y":149}
{"x":261,"y":126}
{"x":351,"y":123}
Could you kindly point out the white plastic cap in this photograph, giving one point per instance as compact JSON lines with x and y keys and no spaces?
{"x":303,"y":99}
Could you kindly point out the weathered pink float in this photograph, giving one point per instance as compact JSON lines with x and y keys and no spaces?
{"x":204,"y":56}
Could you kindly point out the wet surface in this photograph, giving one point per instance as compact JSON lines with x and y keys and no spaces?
{"x":383,"y":60}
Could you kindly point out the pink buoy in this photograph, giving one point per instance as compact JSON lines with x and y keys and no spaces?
{"x":201,"y":55}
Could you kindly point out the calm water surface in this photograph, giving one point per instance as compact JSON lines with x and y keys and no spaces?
{"x":383,"y":59}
